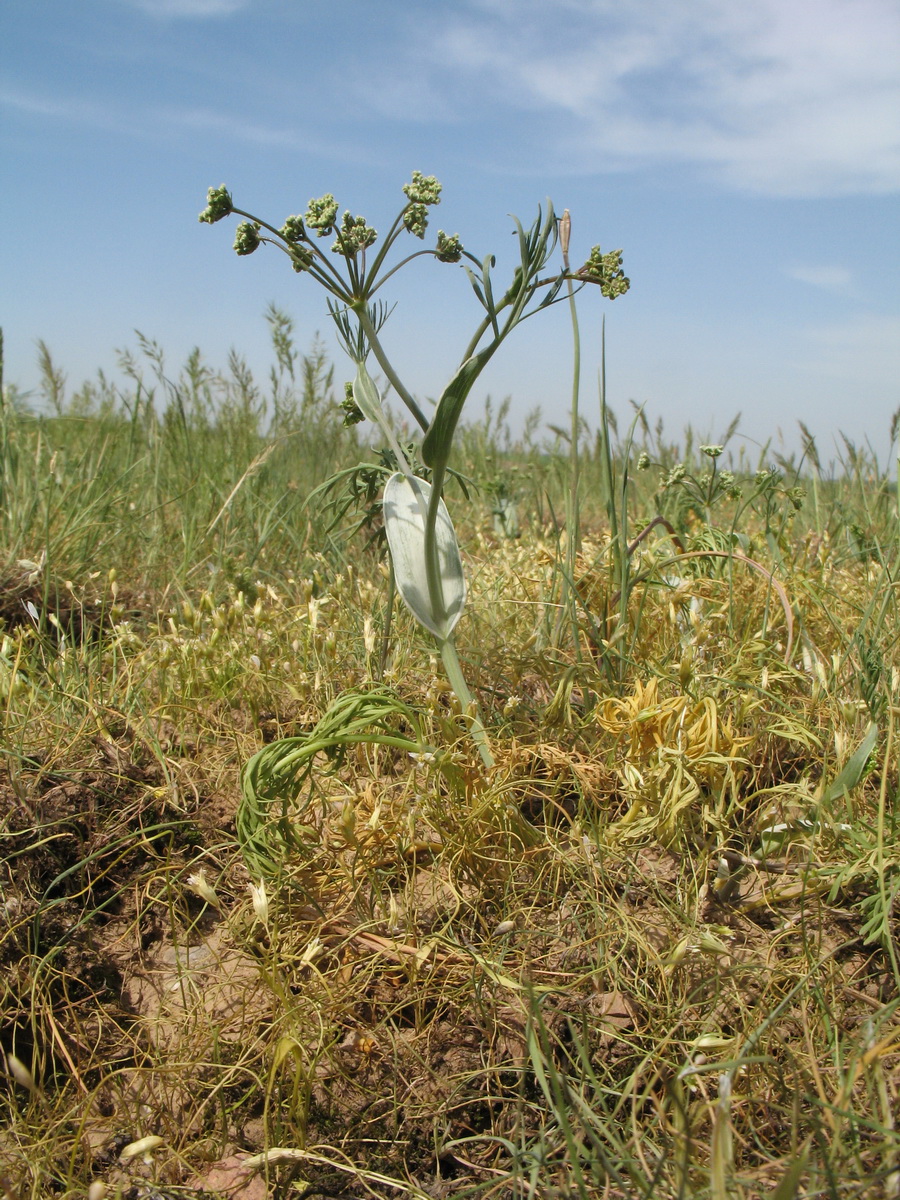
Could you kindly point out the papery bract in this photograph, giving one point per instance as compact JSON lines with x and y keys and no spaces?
{"x":405,"y":505}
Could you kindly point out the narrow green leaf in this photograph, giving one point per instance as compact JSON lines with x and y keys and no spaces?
{"x":476,"y":287}
{"x":489,"y":293}
{"x":852,"y":773}
{"x":439,"y":438}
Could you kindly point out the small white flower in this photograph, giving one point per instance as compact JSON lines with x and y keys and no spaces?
{"x":260,"y":901}
{"x":369,"y":637}
{"x":312,"y":951}
{"x":200,"y":886}
{"x":20,"y":1072}
{"x":426,"y":756}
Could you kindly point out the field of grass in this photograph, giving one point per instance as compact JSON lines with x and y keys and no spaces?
{"x":651,"y":952}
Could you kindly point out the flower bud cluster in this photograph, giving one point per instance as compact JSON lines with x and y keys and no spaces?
{"x":293,"y":231}
{"x":321,"y":214}
{"x":415,"y":218}
{"x":218,"y":205}
{"x":301,"y":258}
{"x":246,"y":237}
{"x":606,"y":270}
{"x":770,"y":475}
{"x":354,"y":235}
{"x":353,"y":414}
{"x":449,"y":249}
{"x":730,"y":485}
{"x":424,"y":189}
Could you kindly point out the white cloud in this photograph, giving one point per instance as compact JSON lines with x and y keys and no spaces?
{"x":189,"y":8}
{"x":234,"y":128}
{"x":830,"y":279}
{"x":779,"y":97}
{"x":149,"y":122}
{"x":64,"y":108}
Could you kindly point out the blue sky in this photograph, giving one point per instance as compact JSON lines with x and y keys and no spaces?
{"x":746,"y":157}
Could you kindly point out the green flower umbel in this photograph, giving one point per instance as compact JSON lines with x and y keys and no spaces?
{"x":605,"y":269}
{"x":449,"y":249}
{"x":246,"y":237}
{"x":424,"y":189}
{"x":321,"y":214}
{"x":218,"y":205}
{"x":354,"y":235}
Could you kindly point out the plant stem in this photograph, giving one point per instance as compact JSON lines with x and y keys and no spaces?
{"x":880,"y":866}
{"x":385,"y":363}
{"x":573,"y":525}
{"x":470,"y":711}
{"x":388,"y":621}
{"x":432,"y":566}
{"x":615,"y":511}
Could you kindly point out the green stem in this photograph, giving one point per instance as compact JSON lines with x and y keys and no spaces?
{"x":324,"y":263}
{"x":403,"y":464}
{"x":573,"y":519}
{"x":385,"y":363}
{"x":880,"y":866}
{"x":472,"y":347}
{"x":375,"y":411}
{"x":432,"y":564}
{"x":388,"y":621}
{"x":398,"y":266}
{"x":349,"y":257}
{"x":392,"y":235}
{"x":470,"y":712}
{"x":436,"y":596}
{"x":615,"y":506}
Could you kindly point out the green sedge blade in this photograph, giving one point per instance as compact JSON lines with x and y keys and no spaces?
{"x":404,"y":507}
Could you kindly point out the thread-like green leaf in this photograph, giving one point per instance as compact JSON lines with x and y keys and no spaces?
{"x":405,"y":506}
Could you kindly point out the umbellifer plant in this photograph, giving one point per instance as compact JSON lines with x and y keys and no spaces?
{"x":424,"y":551}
